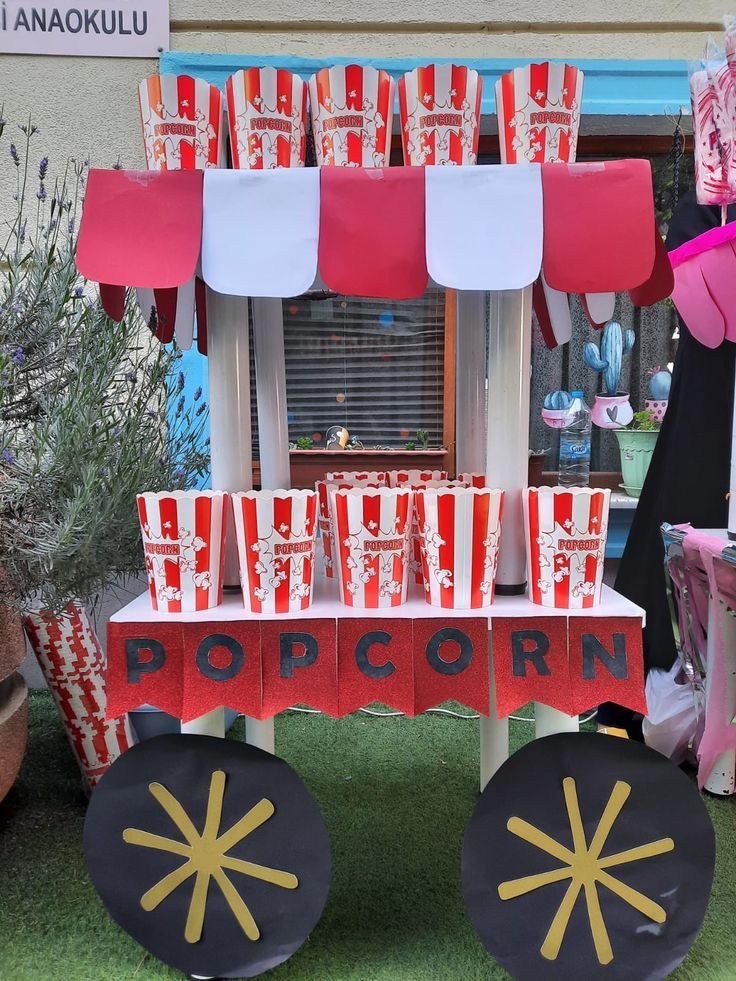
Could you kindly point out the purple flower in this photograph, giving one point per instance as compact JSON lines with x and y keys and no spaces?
{"x":130,"y":376}
{"x":117,"y":431}
{"x":43,"y":168}
{"x":150,"y":413}
{"x":79,"y":290}
{"x":201,"y":409}
{"x":180,"y":473}
{"x":52,"y":224}
{"x":180,"y":381}
{"x":16,"y":307}
{"x":198,"y":394}
{"x":8,"y":456}
{"x":22,"y":232}
{"x":41,"y":193}
{"x":180,"y":406}
{"x":14,"y":154}
{"x":19,"y":356}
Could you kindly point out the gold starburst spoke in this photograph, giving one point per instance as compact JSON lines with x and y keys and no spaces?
{"x":636,"y":899}
{"x":240,"y":911}
{"x":556,"y":933}
{"x":197,"y":907}
{"x":175,"y":811}
{"x":214,"y":807}
{"x":658,"y":847}
{"x":255,"y":817}
{"x":278,"y":878}
{"x":520,"y":887}
{"x":601,"y":941}
{"x":619,"y":796}
{"x":573,"y":814}
{"x":164,"y":887}
{"x":522,"y":829}
{"x":133,"y":836}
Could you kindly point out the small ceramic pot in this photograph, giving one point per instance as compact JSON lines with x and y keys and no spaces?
{"x":612,"y":411}
{"x":657,"y":407}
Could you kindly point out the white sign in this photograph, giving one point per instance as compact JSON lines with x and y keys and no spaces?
{"x":121,"y":29}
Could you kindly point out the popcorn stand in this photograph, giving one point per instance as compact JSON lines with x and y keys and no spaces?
{"x":409,"y":589}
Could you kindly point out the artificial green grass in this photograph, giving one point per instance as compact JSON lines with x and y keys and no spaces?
{"x":396,"y":795}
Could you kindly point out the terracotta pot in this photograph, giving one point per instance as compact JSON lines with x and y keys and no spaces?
{"x":13,"y":729}
{"x":612,"y":411}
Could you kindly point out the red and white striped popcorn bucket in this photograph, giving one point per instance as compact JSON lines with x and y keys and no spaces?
{"x":460,"y":531}
{"x":359,"y":477}
{"x":184,"y":544}
{"x":70,"y":656}
{"x":372,"y":532}
{"x":415,"y":560}
{"x":440,"y":108}
{"x":538,"y":108}
{"x":473,"y":479}
{"x":182,"y":125}
{"x":565,"y":531}
{"x":276,"y":531}
{"x":397,"y":478}
{"x":325,"y":489}
{"x":267,"y":118}
{"x":352,"y":110}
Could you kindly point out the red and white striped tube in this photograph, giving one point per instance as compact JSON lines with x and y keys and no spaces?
{"x":372,"y":532}
{"x":73,"y":664}
{"x":566,"y":531}
{"x":267,"y":118}
{"x":184,"y":545}
{"x":440,"y":107}
{"x":397,"y":478}
{"x":460,"y":531}
{"x":538,"y":108}
{"x":275,"y":531}
{"x":352,"y":110}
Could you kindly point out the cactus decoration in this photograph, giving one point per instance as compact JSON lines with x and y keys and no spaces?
{"x":660,"y":381}
{"x":557,"y":400}
{"x":607,"y":360}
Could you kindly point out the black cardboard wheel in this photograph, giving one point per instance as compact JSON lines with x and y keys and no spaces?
{"x":210,"y":853}
{"x":588,"y":856}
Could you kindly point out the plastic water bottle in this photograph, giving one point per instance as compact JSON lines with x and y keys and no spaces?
{"x":575,"y":444}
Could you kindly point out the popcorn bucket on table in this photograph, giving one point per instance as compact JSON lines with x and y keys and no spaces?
{"x":372,"y":535}
{"x":182,"y":124}
{"x":398,"y":477}
{"x":565,"y":530}
{"x":373,"y":476}
{"x":473,"y":479}
{"x":460,"y":531}
{"x":184,"y":545}
{"x":440,"y":108}
{"x":267,"y":118}
{"x":538,"y":109}
{"x":275,"y":532}
{"x":352,"y":110}
{"x":415,"y":562}
{"x":324,"y":489}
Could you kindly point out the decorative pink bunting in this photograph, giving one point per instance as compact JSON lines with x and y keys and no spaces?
{"x":371,"y":236}
{"x":597,"y":226}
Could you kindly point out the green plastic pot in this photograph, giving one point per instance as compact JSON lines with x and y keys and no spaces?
{"x":636,"y":447}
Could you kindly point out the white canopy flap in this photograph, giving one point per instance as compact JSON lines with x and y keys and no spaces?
{"x":558,"y":308}
{"x":484,"y":226}
{"x":600,"y":306}
{"x":260,"y":231}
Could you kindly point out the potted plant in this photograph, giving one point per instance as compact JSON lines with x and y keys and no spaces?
{"x":636,"y":443}
{"x":90,"y":414}
{"x":612,"y":409}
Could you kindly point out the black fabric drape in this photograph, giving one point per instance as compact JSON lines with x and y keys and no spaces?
{"x":688,"y":479}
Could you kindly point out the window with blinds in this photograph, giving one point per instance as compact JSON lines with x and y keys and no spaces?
{"x":375,"y":367}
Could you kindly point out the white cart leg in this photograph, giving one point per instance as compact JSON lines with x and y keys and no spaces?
{"x":494,"y":732}
{"x":210,"y":724}
{"x":507,"y":455}
{"x":722,"y":778}
{"x":548,"y":721}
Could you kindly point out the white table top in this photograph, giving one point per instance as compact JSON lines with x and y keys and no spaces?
{"x":326,"y":605}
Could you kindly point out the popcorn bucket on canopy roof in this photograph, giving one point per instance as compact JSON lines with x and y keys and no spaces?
{"x":565,"y":530}
{"x":182,"y":125}
{"x":275,"y":532}
{"x":324,"y":489}
{"x":372,"y":532}
{"x":440,"y":108}
{"x":460,"y":530}
{"x":267,"y":118}
{"x":538,"y":109}
{"x":352,"y":110}
{"x":183,"y":541}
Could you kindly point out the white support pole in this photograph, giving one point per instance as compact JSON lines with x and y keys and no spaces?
{"x":548,"y":721}
{"x":228,"y":367}
{"x":273,"y":423}
{"x":470,"y":383}
{"x":507,"y":454}
{"x":209,"y":724}
{"x":732,"y":482}
{"x":494,"y":732}
{"x":722,"y":778}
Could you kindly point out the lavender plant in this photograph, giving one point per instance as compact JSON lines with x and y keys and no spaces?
{"x":84,"y":404}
